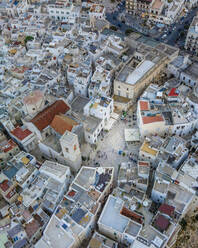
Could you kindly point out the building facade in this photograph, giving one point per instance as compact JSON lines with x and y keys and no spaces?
{"x":192,"y":36}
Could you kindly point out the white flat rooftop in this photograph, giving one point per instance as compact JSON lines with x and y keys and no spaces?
{"x":56,"y":236}
{"x":111,"y":216}
{"x":68,"y":137}
{"x":54,"y":170}
{"x":138,"y":244}
{"x":190,"y":168}
{"x":139,"y":72}
{"x":42,"y":244}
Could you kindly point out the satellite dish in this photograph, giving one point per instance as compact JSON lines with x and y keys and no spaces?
{"x":145,"y":203}
{"x":133,"y":207}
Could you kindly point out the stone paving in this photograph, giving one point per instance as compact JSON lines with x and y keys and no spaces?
{"x":109,"y":144}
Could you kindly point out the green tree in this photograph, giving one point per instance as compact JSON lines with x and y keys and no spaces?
{"x":114,"y":28}
{"x":128,"y":31}
{"x":183,"y":223}
{"x":28,"y":38}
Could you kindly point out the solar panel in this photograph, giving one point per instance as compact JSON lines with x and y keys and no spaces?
{"x":78,"y":215}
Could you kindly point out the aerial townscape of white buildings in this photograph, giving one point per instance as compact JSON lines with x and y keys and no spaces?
{"x":98,"y":130}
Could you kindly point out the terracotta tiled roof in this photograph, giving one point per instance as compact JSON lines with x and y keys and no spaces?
{"x":21,"y":134}
{"x":157,"y":4}
{"x":34,"y":97}
{"x":5,"y":185}
{"x":72,"y":193}
{"x":151,"y":119}
{"x":141,"y":163}
{"x":7,"y":146}
{"x":144,"y":105}
{"x":62,"y":123}
{"x":11,"y":193}
{"x":45,"y":117}
{"x":167,"y":209}
{"x":173,"y":92}
{"x":31,"y":228}
{"x":161,"y":223}
{"x":132,"y":215}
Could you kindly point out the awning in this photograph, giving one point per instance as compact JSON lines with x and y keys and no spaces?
{"x":131,"y":135}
